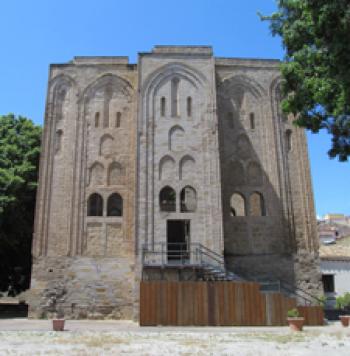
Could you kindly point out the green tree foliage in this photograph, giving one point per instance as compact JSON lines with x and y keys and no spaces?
{"x":316,"y":70}
{"x":19,"y":161}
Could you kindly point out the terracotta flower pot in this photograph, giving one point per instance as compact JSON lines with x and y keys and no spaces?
{"x":58,"y":324}
{"x":296,"y":324}
{"x":344,"y":319}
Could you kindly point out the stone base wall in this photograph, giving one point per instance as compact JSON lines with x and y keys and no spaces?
{"x":300,"y":270}
{"x":308,"y":273}
{"x":170,"y":274}
{"x":82,"y":288}
{"x":263,"y":267}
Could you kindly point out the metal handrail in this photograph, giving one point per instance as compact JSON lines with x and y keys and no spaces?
{"x":194,"y":249}
{"x":310,"y":299}
{"x":288,"y":288}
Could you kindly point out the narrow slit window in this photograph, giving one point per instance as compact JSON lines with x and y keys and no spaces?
{"x":252,"y":120}
{"x":175,"y":97}
{"x":289,"y":140}
{"x":97,"y":119}
{"x":162,"y":106}
{"x":189,"y":106}
{"x":230,"y":119}
{"x":118,"y":119}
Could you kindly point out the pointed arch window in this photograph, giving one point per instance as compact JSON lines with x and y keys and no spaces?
{"x":95,"y":205}
{"x":256,"y":204}
{"x":188,"y":199}
{"x":167,"y":199}
{"x":115,"y":205}
{"x":237,"y":205}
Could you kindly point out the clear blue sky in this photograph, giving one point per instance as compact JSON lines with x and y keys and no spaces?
{"x":39,"y":32}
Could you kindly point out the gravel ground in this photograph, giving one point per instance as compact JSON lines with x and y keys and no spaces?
{"x":33,"y":337}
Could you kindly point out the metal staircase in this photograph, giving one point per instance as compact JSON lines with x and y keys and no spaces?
{"x":210,"y":266}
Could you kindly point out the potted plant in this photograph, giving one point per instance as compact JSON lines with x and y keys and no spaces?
{"x":295,"y":322}
{"x":58,"y":321}
{"x":343,"y":303}
{"x":56,"y":298}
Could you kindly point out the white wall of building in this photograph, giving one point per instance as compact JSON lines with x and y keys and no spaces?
{"x":341,"y":272}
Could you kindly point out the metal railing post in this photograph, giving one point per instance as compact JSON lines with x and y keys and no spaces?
{"x":162,"y":253}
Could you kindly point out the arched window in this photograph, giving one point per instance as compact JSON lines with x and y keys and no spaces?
{"x":96,"y":174}
{"x":176,"y":141}
{"x":189,"y":106}
{"x":95,"y":205}
{"x":97,"y":119}
{"x":115,"y":205}
{"x":252,"y":120}
{"x":237,"y":205}
{"x":167,"y":199}
{"x":256,"y":205}
{"x":175,"y":97}
{"x":167,"y":168}
{"x":115,"y":173}
{"x":187,"y":167}
{"x":188,"y":198}
{"x":118,"y":119}
{"x":162,"y":106}
{"x":289,"y":140}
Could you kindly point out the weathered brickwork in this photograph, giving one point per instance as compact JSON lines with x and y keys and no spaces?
{"x":181,"y":142}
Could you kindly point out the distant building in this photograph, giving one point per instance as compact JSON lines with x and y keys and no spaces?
{"x":335,"y":268}
{"x":326,"y":233}
{"x":337,"y":218}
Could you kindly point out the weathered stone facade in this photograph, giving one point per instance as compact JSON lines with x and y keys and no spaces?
{"x":181,"y":141}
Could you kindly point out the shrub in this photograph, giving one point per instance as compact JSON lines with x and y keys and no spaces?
{"x":293,"y":313}
{"x":343,"y":302}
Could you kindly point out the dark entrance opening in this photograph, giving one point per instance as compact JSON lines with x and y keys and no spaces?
{"x":178,"y":236}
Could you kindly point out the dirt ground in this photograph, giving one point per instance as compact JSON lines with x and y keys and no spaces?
{"x":34,"y":337}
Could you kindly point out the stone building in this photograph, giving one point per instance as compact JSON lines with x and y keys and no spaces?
{"x":159,"y":163}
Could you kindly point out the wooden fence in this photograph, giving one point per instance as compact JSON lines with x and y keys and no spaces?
{"x":216,"y":304}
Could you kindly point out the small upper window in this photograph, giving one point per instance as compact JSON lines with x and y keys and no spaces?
{"x":289,"y":140}
{"x":252,"y":120}
{"x":97,"y":119}
{"x":162,"y":106}
{"x":189,"y":106}
{"x":175,"y":97}
{"x":118,"y":119}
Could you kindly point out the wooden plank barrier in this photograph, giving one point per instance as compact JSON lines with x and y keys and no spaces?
{"x":314,"y":315}
{"x":216,"y":304}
